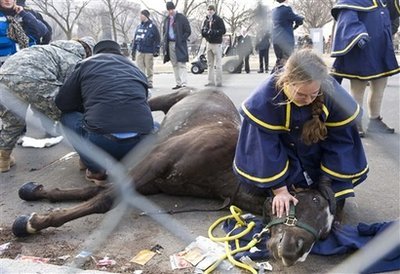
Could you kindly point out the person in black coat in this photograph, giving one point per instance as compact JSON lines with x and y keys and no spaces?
{"x":245,"y":48}
{"x":176,"y":32}
{"x":212,"y":30}
{"x":104,"y":101}
{"x":263,"y":48}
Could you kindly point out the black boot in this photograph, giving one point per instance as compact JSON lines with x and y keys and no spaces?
{"x":378,"y":126}
{"x":360,"y":130}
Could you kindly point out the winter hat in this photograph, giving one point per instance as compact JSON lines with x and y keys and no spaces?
{"x":107,"y":46}
{"x":146,"y":13}
{"x":88,"y":40}
{"x":170,"y":6}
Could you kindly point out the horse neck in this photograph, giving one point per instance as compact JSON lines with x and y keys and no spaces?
{"x":249,"y":202}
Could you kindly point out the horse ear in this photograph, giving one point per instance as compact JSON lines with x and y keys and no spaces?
{"x":267,"y":210}
{"x":324,"y":187}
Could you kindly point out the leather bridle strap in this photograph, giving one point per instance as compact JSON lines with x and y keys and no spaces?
{"x":291,"y":220}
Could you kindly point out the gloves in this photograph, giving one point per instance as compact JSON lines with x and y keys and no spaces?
{"x":133,"y":55}
{"x":156,"y":54}
{"x":362,"y":43}
{"x":324,"y":187}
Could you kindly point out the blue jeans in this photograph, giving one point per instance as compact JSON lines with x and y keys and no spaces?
{"x":117,"y":148}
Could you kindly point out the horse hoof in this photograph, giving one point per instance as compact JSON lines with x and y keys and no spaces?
{"x":19,"y":227}
{"x":27,"y":191}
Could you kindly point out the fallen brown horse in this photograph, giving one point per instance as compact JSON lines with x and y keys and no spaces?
{"x":192,"y":156}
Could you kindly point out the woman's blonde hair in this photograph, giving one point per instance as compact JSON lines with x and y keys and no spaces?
{"x":304,"y":66}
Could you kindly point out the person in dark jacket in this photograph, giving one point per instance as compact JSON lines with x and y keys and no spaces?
{"x":263,"y":48}
{"x":45,"y":39}
{"x":245,"y":48}
{"x":105,"y":102}
{"x":284,"y":21}
{"x":363,"y":48}
{"x":176,"y":32}
{"x":18,"y":29}
{"x":147,"y":43}
{"x":212,"y":30}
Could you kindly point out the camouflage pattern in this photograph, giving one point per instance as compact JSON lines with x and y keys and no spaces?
{"x":35,"y":75}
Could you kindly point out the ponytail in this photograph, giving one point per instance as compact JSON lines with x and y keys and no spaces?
{"x":315,"y":130}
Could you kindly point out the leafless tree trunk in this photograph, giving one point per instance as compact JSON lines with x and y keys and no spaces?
{"x":65,"y":13}
{"x":90,"y":23}
{"x":316,"y":13}
{"x":236,"y":15}
{"x":189,"y":8}
{"x":114,"y":12}
{"x":127,"y":20}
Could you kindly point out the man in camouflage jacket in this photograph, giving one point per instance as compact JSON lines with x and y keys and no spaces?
{"x":34,"y":75}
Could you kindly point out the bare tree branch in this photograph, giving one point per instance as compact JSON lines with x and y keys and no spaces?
{"x":65,"y":13}
{"x":236,"y":15}
{"x":316,"y":13}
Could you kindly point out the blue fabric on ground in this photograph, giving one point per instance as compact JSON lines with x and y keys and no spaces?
{"x":342,"y":239}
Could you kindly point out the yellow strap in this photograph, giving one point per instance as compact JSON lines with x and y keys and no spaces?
{"x":236,"y":212}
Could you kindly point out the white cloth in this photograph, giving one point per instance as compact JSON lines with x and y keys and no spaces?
{"x":40,"y":143}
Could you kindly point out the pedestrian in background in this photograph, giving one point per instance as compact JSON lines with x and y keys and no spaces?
{"x":35,"y":75}
{"x":212,"y":30}
{"x":245,"y":48}
{"x":18,"y":29}
{"x":284,"y":21}
{"x":147,"y":43}
{"x":104,"y":101}
{"x":364,"y":53}
{"x":262,"y":46}
{"x":176,"y":32}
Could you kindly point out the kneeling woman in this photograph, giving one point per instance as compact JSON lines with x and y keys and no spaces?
{"x":298,"y":129}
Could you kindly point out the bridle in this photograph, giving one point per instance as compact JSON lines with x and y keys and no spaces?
{"x":291,"y":220}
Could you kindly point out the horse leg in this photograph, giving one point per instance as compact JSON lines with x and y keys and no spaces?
{"x":32,"y":191}
{"x":165,"y":102}
{"x":26,"y":225}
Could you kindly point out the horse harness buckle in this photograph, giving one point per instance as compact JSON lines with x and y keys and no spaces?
{"x":290,"y":221}
{"x":258,"y":236}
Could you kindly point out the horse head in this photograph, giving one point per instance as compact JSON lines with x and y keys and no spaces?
{"x":292,"y":237}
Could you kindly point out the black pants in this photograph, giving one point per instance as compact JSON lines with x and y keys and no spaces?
{"x":245,"y":59}
{"x":282,"y":54}
{"x":263,"y":59}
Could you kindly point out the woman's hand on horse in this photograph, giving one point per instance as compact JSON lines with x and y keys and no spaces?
{"x":281,"y":201}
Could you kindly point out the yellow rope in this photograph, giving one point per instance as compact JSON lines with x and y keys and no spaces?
{"x":236,"y":212}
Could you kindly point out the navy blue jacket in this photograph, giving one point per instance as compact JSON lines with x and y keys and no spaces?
{"x":111,"y":92}
{"x":271,"y":154}
{"x":147,"y":38}
{"x":362,"y":43}
{"x":33,"y":27}
{"x":284,"y":20}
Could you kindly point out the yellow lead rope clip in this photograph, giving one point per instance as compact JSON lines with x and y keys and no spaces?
{"x":235,"y":214}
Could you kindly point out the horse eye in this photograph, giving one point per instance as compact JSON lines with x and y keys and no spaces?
{"x":315,"y":200}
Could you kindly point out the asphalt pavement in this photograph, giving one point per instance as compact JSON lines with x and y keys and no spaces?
{"x":376,"y":200}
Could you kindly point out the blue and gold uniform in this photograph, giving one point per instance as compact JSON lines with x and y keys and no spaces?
{"x":271,"y":154}
{"x":362,"y":42}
